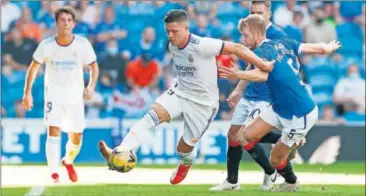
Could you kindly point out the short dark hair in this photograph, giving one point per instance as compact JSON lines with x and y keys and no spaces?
{"x":176,"y":16}
{"x":66,"y":10}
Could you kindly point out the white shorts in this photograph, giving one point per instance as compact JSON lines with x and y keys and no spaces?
{"x":69,"y":117}
{"x":246,"y":111}
{"x":197,"y":118}
{"x":293,"y":131}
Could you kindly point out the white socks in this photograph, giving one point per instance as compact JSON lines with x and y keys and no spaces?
{"x":53,"y":153}
{"x":140,"y":132}
{"x":72,"y":150}
{"x":187,"y":158}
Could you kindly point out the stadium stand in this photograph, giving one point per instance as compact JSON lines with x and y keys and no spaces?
{"x":122,"y":31}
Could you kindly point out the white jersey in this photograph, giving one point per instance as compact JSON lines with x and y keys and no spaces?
{"x":196,"y":69}
{"x":64,"y":78}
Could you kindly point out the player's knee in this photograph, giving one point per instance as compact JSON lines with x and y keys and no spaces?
{"x":161,"y":112}
{"x":243,"y":137}
{"x":54,"y":131}
{"x":233,"y":131}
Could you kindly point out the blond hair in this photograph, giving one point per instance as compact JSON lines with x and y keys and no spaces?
{"x":256,"y":23}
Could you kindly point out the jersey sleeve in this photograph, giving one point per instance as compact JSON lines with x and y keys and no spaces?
{"x":210,"y":47}
{"x":38,"y":54}
{"x":293,"y":45}
{"x":90,"y":56}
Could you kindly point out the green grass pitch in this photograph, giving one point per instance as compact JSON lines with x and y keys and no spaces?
{"x":184,"y":190}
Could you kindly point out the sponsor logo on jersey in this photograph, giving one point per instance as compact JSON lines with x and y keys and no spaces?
{"x":183,"y":70}
{"x":63,"y":64}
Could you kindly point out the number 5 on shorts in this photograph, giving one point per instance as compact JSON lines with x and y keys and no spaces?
{"x":291,"y":134}
{"x":49,"y":107}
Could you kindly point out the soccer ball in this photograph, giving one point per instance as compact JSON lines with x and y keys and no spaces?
{"x":122,"y":160}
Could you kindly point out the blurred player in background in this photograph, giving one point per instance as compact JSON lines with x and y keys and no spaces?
{"x":293,"y":111}
{"x":256,"y":98}
{"x":194,"y":96}
{"x":64,"y":56}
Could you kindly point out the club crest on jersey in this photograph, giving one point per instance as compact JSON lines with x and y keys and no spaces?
{"x":190,"y":58}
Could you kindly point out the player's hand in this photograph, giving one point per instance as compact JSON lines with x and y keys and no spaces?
{"x":228,"y":72}
{"x":88,"y":92}
{"x":333,"y":46}
{"x":269,"y":65}
{"x":28,"y":101}
{"x":234,"y":98}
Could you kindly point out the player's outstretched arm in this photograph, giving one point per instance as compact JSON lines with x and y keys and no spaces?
{"x":320,"y":48}
{"x":29,"y":80}
{"x":242,"y":84}
{"x":247,"y":55}
{"x":254,"y":75}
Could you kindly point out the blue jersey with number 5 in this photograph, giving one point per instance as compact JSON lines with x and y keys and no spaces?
{"x":289,"y":96}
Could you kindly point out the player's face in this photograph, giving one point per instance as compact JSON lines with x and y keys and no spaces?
{"x":65,"y":24}
{"x":261,"y":9}
{"x":247,"y":37}
{"x":177,"y":32}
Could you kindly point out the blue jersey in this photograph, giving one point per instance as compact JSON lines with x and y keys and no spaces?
{"x":258,"y":91}
{"x":289,"y":96}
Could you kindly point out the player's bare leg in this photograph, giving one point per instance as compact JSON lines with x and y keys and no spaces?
{"x":279,"y":159}
{"x":139,"y":132}
{"x":53,"y":151}
{"x":73,"y":147}
{"x":187,"y":154}
{"x":234,"y":155}
{"x":253,"y":132}
{"x":294,"y":150}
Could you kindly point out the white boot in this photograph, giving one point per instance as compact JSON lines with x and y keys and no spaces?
{"x":286,"y":187}
{"x":269,"y":181}
{"x":226,"y":186}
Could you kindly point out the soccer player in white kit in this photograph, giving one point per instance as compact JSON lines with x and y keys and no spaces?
{"x":194,"y":96}
{"x":64,"y":56}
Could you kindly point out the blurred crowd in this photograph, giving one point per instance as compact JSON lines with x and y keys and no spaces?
{"x":131,"y":44}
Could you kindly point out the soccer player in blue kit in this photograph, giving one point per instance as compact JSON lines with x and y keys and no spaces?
{"x":248,"y":105}
{"x":293,"y":111}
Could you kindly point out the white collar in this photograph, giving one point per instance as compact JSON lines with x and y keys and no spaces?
{"x":269,"y":24}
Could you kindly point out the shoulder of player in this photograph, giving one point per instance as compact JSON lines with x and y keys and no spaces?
{"x":275,"y":28}
{"x":48,"y":41}
{"x":195,"y":39}
{"x":80,"y":39}
{"x":199,"y":43}
{"x":275,"y":32}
